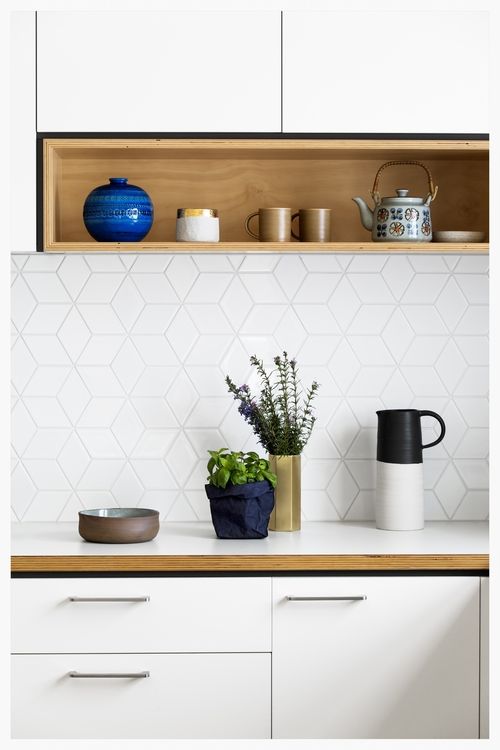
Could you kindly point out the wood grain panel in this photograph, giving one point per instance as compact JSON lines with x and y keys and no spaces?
{"x":237,"y":177}
{"x":441,"y":248}
{"x":245,"y":563}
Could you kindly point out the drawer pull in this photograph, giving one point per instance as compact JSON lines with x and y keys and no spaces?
{"x":360,"y":598}
{"x":108,"y":598}
{"x":106,"y":675}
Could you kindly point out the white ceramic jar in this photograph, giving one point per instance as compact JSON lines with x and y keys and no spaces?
{"x":197,"y":225}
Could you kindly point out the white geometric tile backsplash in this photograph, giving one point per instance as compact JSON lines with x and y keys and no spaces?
{"x":118,"y":366}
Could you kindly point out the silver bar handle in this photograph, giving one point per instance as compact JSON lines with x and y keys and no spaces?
{"x":133,"y":675}
{"x":109,"y":598}
{"x":360,"y":598}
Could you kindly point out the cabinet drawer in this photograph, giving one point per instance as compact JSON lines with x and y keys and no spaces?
{"x":184,"y":696}
{"x":158,"y":615}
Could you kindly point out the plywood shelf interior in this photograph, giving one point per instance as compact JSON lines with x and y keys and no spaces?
{"x":240,"y":176}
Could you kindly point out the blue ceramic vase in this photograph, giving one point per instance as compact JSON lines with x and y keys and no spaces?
{"x":118,"y":212}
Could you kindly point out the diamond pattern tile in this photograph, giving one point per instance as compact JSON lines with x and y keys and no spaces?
{"x":23,"y":365}
{"x":47,"y":506}
{"x":73,"y":395}
{"x":74,"y":334}
{"x":73,"y":272}
{"x":236,"y":302}
{"x":317,"y":506}
{"x":127,"y":365}
{"x":154,"y":443}
{"x":73,"y":459}
{"x":100,"y":319}
{"x":118,"y":366}
{"x":289,"y":272}
{"x":127,"y":490}
{"x":398,"y":273}
{"x":317,"y":288}
{"x":23,"y":428}
{"x":371,"y":288}
{"x":342,"y":489}
{"x":47,"y":350}
{"x":46,"y":318}
{"x":182,"y":396}
{"x":155,"y":287}
{"x":344,"y":303}
{"x":46,"y":287}
{"x":451,"y":304}
{"x":127,"y":303}
{"x":290,"y":334}
{"x":182,"y":334}
{"x":46,"y":443}
{"x":181,"y":273}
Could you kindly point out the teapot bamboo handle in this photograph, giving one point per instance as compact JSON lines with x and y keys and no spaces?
{"x":432,"y":189}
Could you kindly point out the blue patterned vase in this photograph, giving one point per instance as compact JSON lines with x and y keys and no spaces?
{"x":118,"y":212}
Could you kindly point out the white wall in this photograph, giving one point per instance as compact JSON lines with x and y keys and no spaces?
{"x":118,"y":367}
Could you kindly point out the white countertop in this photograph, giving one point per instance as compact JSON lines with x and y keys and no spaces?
{"x":315,"y":538}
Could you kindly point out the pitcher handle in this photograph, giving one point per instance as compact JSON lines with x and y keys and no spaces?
{"x":441,"y":422}
{"x":294,"y":216}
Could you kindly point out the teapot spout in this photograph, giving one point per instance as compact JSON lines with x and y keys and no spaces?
{"x":365,"y":212}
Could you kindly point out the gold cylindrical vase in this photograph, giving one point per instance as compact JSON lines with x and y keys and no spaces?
{"x":286,"y":512}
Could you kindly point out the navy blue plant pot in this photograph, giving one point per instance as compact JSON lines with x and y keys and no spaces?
{"x":241,"y":511}
{"x":118,"y":212}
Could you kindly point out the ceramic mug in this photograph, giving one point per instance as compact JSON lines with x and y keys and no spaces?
{"x":314,"y":224}
{"x":275,"y":224}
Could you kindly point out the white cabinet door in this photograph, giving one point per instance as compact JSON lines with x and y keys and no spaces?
{"x":96,"y":615}
{"x":392,"y":71}
{"x":184,"y":696}
{"x":22,"y":147}
{"x":201,"y":71}
{"x":402,"y":663}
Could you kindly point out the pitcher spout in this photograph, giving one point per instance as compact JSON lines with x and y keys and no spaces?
{"x":365,"y":212}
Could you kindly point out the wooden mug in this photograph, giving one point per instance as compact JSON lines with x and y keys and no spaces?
{"x":275,"y":224}
{"x":314,"y":224}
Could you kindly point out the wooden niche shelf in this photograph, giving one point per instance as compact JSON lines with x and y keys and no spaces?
{"x":239,"y":176}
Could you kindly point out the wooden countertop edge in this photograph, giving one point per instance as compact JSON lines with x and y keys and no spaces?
{"x":242,"y":563}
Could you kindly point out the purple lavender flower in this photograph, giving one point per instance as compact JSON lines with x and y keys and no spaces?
{"x":247,"y":410}
{"x":283,"y":415}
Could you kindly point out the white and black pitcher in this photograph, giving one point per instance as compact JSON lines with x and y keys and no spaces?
{"x":399,"y":500}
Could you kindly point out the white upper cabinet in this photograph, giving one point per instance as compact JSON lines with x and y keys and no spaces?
{"x":385,"y":72}
{"x":203,"y":71}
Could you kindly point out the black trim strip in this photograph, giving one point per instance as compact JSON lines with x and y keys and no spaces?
{"x":281,"y":70}
{"x":283,"y":136}
{"x":39,"y":196}
{"x":255,"y":574}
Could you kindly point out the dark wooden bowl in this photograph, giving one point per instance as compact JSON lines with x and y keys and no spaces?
{"x":118,"y":525}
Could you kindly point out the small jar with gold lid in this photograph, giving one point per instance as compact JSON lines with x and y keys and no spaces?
{"x":197,"y":225}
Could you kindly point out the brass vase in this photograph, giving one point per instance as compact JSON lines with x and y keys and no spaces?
{"x":286,"y":513}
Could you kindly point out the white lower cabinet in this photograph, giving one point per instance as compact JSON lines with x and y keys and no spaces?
{"x":326,"y":657}
{"x":183,"y":696}
{"x":360,"y":657}
{"x":204,"y":644}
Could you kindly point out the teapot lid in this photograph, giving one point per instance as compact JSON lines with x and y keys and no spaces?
{"x":403,"y":199}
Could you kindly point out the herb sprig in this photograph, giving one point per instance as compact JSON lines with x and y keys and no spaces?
{"x":282,"y":416}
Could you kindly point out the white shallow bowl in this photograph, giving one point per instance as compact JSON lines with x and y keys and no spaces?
{"x":452,"y":236}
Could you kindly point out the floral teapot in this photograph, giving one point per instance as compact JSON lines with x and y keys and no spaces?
{"x":401,"y":218}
